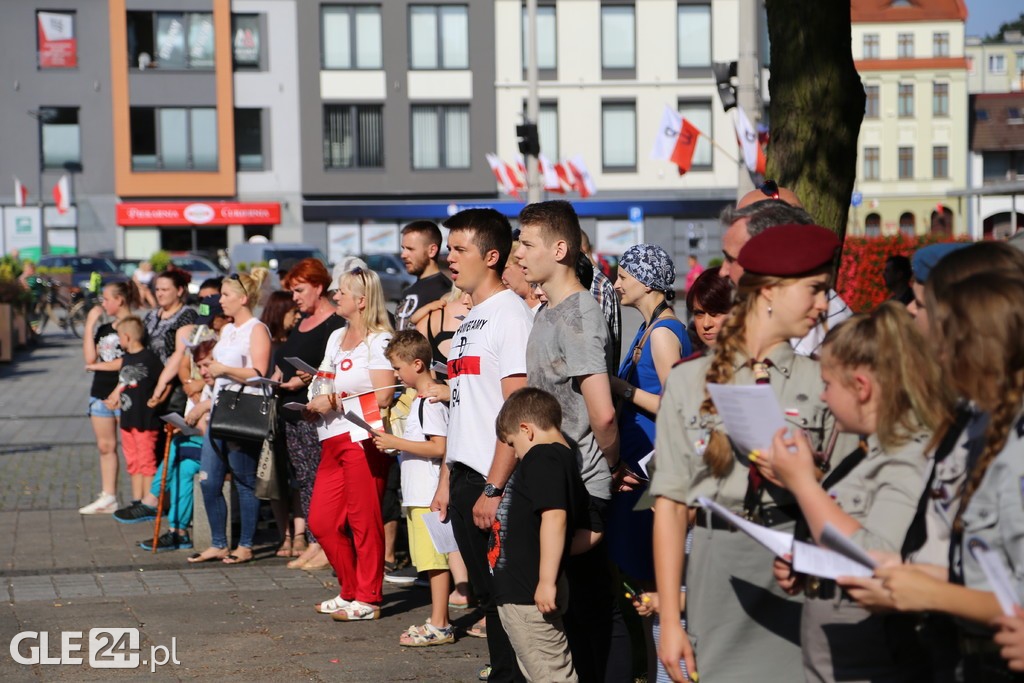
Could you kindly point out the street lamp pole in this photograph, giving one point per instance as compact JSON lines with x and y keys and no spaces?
{"x":532,"y":97}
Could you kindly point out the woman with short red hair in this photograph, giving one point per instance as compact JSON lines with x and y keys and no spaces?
{"x":308,"y":281}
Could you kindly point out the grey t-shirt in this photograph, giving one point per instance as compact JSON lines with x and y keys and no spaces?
{"x":567,"y":342}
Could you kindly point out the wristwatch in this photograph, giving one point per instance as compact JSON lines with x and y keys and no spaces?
{"x":492,"y":491}
{"x":627,"y":393}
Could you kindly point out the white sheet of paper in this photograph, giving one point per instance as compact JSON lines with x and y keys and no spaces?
{"x":751,"y":414}
{"x":266,"y":381}
{"x":440,"y":368}
{"x":779,"y":542}
{"x":300,"y":364}
{"x":997,"y":575}
{"x":814,"y":560}
{"x":357,"y":420}
{"x":834,"y":539}
{"x":294,"y":405}
{"x":440,"y":533}
{"x":179,"y":422}
{"x":642,"y":463}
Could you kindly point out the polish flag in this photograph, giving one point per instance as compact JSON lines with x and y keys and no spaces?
{"x":565,"y":175}
{"x":686,"y":143}
{"x":548,"y":172}
{"x":62,"y":194}
{"x":753,"y":155}
{"x":363,"y":406}
{"x":504,"y":175}
{"x":20,"y":193}
{"x":584,"y":183}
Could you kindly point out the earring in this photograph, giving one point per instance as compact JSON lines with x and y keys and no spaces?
{"x":769,"y":310}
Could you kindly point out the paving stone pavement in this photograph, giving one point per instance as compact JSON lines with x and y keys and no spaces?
{"x":63,"y":572}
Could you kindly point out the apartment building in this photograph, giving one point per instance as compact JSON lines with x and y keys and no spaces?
{"x":912,"y":150}
{"x":996,"y":66}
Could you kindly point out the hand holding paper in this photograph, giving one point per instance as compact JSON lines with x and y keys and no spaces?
{"x":779,"y":542}
{"x":179,"y":422}
{"x":300,"y":364}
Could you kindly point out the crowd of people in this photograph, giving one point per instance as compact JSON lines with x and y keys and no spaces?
{"x":495,"y":402}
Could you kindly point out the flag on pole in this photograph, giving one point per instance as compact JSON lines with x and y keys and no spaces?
{"x":668,"y":133}
{"x":505,"y":176}
{"x":753,"y":155}
{"x":62,"y":194}
{"x":565,"y":175}
{"x":365,"y":407}
{"x":20,"y":193}
{"x":552,"y":183}
{"x":686,"y":143}
{"x":583,"y":182}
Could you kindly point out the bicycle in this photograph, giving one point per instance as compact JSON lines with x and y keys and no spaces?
{"x":66,"y":310}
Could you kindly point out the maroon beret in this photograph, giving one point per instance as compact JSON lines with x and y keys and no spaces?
{"x":788,"y":250}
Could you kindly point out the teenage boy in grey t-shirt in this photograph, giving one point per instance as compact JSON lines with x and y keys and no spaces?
{"x":568,"y":356}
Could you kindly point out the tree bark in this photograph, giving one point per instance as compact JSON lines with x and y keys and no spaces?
{"x":817,"y":105}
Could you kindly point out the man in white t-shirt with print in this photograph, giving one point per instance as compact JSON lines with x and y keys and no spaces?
{"x":487,"y":362}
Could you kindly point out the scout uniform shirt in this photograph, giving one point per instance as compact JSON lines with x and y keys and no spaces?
{"x":741,"y":623}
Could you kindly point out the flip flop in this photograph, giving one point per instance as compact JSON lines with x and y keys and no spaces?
{"x":235,"y":559}
{"x":197,"y":558}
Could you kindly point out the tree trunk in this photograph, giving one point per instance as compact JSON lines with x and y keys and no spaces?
{"x":817,"y":105}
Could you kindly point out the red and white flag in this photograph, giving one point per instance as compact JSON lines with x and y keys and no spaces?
{"x":365,"y":407}
{"x":686,"y":143}
{"x":584,"y":182}
{"x":20,"y":193}
{"x":505,"y":175}
{"x":62,"y":194}
{"x":753,"y":155}
{"x":668,"y":133}
{"x":549,"y":174}
{"x":565,"y":175}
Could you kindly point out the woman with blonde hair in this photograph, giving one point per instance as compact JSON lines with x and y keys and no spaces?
{"x":744,"y":625}
{"x":242,"y":352}
{"x":345,"y":511}
{"x":881,"y":383}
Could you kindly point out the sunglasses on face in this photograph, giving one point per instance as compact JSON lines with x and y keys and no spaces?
{"x":770,"y":189}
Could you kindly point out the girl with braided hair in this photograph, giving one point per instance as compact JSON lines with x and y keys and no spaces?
{"x":741,"y":625}
{"x":981,"y":323}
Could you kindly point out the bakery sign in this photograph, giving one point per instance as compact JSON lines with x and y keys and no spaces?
{"x":198,"y":213}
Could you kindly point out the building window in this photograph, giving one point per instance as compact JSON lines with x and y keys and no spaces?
{"x":245,"y":40}
{"x":547,"y":129}
{"x":871,"y":102}
{"x":906,"y":169}
{"x":871,"y":163}
{"x":871,"y":50}
{"x":1020,"y":62}
{"x":351,"y":37}
{"x":699,"y":114}
{"x":439,"y":36}
{"x":60,"y":136}
{"x":907,"y":224}
{"x":174,"y":139}
{"x":873,"y":225}
{"x":997,"y":64}
{"x":906,"y":100}
{"x":940,"y":44}
{"x":940,"y":161}
{"x":547,"y":40}
{"x":440,"y":136}
{"x":249,"y":139}
{"x":170,"y":40}
{"x":618,"y":136}
{"x":905,"y":45}
{"x":618,"y":37}
{"x":940,"y":99}
{"x":353,"y":136}
{"x":694,"y":36}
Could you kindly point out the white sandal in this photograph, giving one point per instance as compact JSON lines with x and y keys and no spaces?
{"x":331,"y":606}
{"x":357,"y":611}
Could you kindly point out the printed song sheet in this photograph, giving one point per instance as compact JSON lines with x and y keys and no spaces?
{"x":751,"y":414}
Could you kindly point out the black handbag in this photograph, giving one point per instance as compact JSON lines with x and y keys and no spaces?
{"x":242,"y":417}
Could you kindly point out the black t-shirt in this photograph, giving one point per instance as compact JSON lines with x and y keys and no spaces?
{"x":309,"y":346}
{"x":139,"y":374}
{"x":107,"y":348}
{"x":419,"y":294}
{"x":547,"y":478}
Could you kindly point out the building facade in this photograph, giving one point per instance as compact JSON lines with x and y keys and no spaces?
{"x":996,"y":66}
{"x":912,"y":149}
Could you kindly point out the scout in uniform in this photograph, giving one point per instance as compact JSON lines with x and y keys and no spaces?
{"x":742,"y":626}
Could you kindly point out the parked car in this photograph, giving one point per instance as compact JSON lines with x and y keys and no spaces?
{"x":277,"y":256}
{"x":394,"y":278}
{"x":83,"y":266}
{"x":198,"y":266}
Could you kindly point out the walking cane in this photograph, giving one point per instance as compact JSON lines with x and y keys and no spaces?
{"x":163,"y":484}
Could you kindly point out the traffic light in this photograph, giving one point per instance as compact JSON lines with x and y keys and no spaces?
{"x":529,"y":140}
{"x":724,"y":73}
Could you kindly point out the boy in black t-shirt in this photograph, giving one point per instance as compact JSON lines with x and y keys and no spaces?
{"x":543,"y":504}
{"x":140,"y":426}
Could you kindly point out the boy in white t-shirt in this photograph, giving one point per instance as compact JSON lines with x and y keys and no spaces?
{"x":422,"y":448}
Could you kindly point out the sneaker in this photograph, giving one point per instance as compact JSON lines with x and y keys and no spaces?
{"x":400,"y":577}
{"x":135,"y":513}
{"x":169,"y":540}
{"x":106,"y":504}
{"x":331,"y":606}
{"x":357,"y":611}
